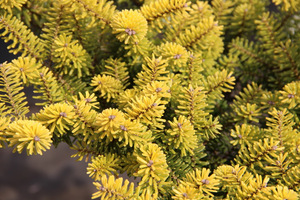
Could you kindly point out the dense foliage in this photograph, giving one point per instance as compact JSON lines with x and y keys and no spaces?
{"x":197,"y":99}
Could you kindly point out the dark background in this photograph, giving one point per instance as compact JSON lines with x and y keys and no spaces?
{"x":53,"y":176}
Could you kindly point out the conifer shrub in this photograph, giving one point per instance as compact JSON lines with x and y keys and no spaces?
{"x":197,"y":99}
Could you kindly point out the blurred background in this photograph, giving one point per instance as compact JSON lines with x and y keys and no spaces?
{"x":53,"y":176}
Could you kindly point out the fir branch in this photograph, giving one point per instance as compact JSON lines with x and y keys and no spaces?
{"x":222,"y":10}
{"x":284,"y":21}
{"x":113,"y":188}
{"x":292,"y":178}
{"x":9,"y":5}
{"x":103,"y":165}
{"x":210,"y":128}
{"x":279,"y":166}
{"x":83,"y":150}
{"x":288,"y":6}
{"x":23,"y":40}
{"x":200,"y":35}
{"x":69,"y":57}
{"x":58,"y":21}
{"x":71,"y":86}
{"x":146,"y":109}
{"x":281,"y":127}
{"x":175,"y":54}
{"x":117,"y":69}
{"x":102,"y":10}
{"x":193,"y":70}
{"x":191,"y":104}
{"x":248,"y":48}
{"x":79,"y":30}
{"x":290,"y":95}
{"x":244,"y":14}
{"x":256,"y":188}
{"x":47,"y":85}
{"x":253,"y":155}
{"x":163,"y":8}
{"x":154,"y":69}
{"x":108,"y":86}
{"x":130,"y":25}
{"x":11,"y":87}
{"x":4,"y":123}
{"x":232,"y":177}
{"x":266,"y":28}
{"x":221,"y":81}
{"x":287,"y":58}
{"x":30,"y":135}
{"x":85,"y":117}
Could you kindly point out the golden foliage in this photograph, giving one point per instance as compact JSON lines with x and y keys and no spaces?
{"x":182,"y":135}
{"x":29,"y":135}
{"x":10,"y":4}
{"x":108,"y":86}
{"x":111,"y":188}
{"x":130,"y":25}
{"x":163,"y":90}
{"x":57,"y":117}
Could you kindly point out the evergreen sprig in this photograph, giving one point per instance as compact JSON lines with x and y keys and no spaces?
{"x":12,"y":95}
{"x":198,"y":99}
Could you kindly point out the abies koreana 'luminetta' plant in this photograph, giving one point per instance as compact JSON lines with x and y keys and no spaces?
{"x":197,"y":99}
